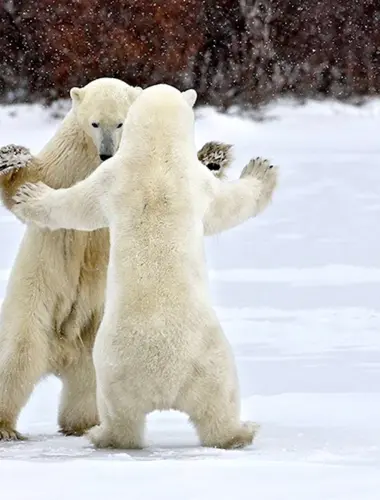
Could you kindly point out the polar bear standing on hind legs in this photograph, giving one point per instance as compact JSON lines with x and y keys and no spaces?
{"x":55,"y":294}
{"x":160,"y":345}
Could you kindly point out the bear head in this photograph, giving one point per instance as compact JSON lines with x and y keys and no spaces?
{"x":160,"y":113}
{"x":101,"y":108}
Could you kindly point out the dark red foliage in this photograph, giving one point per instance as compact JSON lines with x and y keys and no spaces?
{"x":231,"y":51}
{"x":56,"y":44}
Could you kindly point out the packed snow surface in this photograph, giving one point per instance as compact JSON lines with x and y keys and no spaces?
{"x":298,"y":293}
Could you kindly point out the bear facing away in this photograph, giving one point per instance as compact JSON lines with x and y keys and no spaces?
{"x":160,"y":345}
{"x":55,"y":295}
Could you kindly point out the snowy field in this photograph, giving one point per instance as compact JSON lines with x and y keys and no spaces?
{"x":298,"y":292}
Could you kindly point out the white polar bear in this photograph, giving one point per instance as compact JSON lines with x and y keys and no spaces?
{"x":55,"y":294}
{"x":160,"y":345}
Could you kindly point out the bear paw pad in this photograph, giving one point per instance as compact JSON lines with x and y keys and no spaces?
{"x":216,"y":156}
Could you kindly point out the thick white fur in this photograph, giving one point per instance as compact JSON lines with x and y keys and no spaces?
{"x":160,"y":345}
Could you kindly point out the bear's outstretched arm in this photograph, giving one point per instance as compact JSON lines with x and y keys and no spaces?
{"x":79,"y":207}
{"x":236,"y":201}
{"x":18,"y":166}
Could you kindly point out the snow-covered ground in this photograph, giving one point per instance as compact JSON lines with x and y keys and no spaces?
{"x":298,"y":292}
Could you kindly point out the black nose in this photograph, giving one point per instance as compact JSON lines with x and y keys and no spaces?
{"x":105,"y":157}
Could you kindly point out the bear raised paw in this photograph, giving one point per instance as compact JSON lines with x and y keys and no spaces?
{"x":13,"y":157}
{"x":262,"y":170}
{"x":28,"y":196}
{"x":217,"y":157}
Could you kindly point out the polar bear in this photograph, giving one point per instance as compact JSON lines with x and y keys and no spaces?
{"x":160,"y":345}
{"x":55,"y":295}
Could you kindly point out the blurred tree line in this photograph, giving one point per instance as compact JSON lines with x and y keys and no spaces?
{"x":232,"y":51}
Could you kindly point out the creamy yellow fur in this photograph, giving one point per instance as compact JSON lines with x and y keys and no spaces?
{"x":55,"y":295}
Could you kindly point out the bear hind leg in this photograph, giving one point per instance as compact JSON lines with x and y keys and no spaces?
{"x":122,"y":425}
{"x":126,"y":435}
{"x":212,"y":402}
{"x":218,"y":426}
{"x":23,"y":362}
{"x":78,"y":411}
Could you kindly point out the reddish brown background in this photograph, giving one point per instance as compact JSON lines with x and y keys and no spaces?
{"x":231,"y":51}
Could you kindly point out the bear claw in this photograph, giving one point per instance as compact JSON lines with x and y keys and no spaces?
{"x":73,"y":432}
{"x":9,"y":434}
{"x":258,"y":168}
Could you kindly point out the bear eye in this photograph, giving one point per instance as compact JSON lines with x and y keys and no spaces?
{"x":120,"y":125}
{"x":95,"y":125}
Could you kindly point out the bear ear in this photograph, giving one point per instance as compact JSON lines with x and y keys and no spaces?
{"x":190,"y":97}
{"x":136,"y":91}
{"x":76,"y":94}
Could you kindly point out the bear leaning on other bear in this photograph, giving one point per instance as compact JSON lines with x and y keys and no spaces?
{"x":55,"y":294}
{"x":160,"y":345}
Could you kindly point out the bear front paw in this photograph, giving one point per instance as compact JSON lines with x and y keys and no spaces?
{"x":28,"y":206}
{"x":216,"y":156}
{"x":258,"y":168}
{"x":262,"y":170}
{"x":13,"y":157}
{"x":29,"y":192}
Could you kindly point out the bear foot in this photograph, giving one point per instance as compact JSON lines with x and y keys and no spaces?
{"x":74,"y":431}
{"x":216,"y":156}
{"x":9,"y":434}
{"x":76,"y":427}
{"x":101,"y":437}
{"x":243,"y":437}
{"x":13,"y":157}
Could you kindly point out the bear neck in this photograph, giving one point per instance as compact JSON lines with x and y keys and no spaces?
{"x":70,"y":154}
